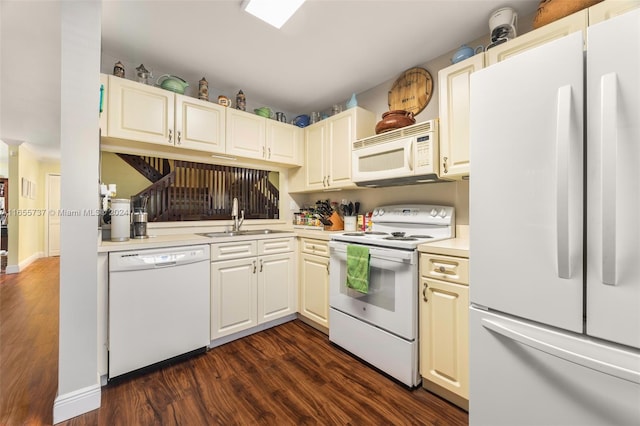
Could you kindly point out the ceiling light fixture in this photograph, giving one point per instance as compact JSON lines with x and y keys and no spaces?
{"x":273,"y":12}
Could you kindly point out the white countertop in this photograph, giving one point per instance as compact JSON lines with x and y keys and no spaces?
{"x":453,"y":247}
{"x":175,"y":240}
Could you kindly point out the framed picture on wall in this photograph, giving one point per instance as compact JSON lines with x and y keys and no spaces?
{"x":24,"y":187}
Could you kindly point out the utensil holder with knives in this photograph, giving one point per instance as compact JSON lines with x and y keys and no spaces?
{"x":336,"y":223}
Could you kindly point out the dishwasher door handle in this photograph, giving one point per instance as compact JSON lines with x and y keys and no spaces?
{"x":165,"y":264}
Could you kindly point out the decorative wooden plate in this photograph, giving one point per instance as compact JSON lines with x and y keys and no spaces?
{"x":412,"y":91}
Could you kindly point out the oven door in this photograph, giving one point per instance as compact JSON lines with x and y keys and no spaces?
{"x":391,"y":303}
{"x":386,"y":160}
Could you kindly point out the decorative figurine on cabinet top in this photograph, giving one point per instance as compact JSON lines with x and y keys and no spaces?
{"x":203,"y":89}
{"x":241,"y":101}
{"x":143,"y":74}
{"x":118,"y":69}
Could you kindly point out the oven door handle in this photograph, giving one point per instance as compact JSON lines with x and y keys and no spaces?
{"x":339,"y":251}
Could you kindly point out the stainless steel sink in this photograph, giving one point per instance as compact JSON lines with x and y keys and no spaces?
{"x":240,"y":233}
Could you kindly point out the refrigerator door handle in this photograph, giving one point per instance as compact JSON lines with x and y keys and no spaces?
{"x":576,"y":358}
{"x":609,"y":148}
{"x":563,"y":147}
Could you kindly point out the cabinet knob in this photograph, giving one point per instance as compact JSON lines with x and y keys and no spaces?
{"x":444,"y":165}
{"x":263,"y":154}
{"x":442,"y":269}
{"x":170,"y":136}
{"x":269,"y":150}
{"x":179,"y":137}
{"x":424,"y":293}
{"x":254,"y":266}
{"x":261,"y":265}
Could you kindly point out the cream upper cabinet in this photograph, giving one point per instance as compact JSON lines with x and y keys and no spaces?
{"x":199,"y":124}
{"x":253,"y":136}
{"x":314,"y":281}
{"x":284,"y":143}
{"x":575,"y":22}
{"x":327,"y":147}
{"x":454,"y":84}
{"x":149,"y":114}
{"x":140,"y":112}
{"x":444,"y":329}
{"x":246,"y":134}
{"x":610,"y":9}
{"x":316,"y":153}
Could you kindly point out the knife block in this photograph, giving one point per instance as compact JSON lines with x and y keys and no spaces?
{"x":336,"y":223}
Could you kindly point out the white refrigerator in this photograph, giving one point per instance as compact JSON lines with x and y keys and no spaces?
{"x":555,"y":233}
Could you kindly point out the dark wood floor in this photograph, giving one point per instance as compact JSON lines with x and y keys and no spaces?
{"x":288,"y":375}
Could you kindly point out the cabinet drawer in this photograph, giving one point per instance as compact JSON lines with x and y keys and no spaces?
{"x":446,"y":268}
{"x":275,"y":245}
{"x":234,"y":250}
{"x":318,"y":247}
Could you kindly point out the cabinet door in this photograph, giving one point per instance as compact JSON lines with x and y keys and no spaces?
{"x":246,"y":134}
{"x":233,"y":296}
{"x":341,"y":134}
{"x":315,"y":156}
{"x":552,"y":31}
{"x":276,"y":286}
{"x":610,"y":9}
{"x":314,"y":288}
{"x":454,"y":116}
{"x":284,"y":143}
{"x":199,"y":125}
{"x":444,"y":335}
{"x":140,"y":112}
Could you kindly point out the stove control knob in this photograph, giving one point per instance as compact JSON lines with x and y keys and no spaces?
{"x":380,"y":212}
{"x":433,"y":212}
{"x":375,"y":212}
{"x":443,"y":213}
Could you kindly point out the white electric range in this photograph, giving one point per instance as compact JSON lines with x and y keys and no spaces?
{"x":381,"y":325}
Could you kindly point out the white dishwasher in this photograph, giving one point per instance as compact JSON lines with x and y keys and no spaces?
{"x":159,"y":305}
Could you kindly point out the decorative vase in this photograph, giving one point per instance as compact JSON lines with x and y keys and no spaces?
{"x":395,"y":119}
{"x":353,"y":102}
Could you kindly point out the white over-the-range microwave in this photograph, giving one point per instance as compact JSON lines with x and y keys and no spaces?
{"x":404,"y":156}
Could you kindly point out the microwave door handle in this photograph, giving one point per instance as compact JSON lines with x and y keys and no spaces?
{"x":410,"y":155}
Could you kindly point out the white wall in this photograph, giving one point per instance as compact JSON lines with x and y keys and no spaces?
{"x":78,"y":382}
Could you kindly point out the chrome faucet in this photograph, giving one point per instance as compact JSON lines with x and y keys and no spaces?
{"x":234,"y":215}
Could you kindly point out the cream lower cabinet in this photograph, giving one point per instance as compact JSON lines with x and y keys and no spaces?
{"x":252,"y":282}
{"x":444,"y":327}
{"x":454,"y":85}
{"x":150,"y":114}
{"x":314,"y":282}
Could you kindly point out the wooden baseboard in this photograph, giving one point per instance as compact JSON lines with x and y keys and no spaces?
{"x":313,"y":324}
{"x":446,"y":394}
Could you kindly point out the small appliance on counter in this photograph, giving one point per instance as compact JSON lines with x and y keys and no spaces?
{"x":139,"y":224}
{"x":120,"y":217}
{"x":502,"y":25}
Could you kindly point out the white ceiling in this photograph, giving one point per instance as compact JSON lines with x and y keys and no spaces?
{"x":326,"y":51}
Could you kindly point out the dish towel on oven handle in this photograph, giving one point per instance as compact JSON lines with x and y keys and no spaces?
{"x":358,"y":268}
